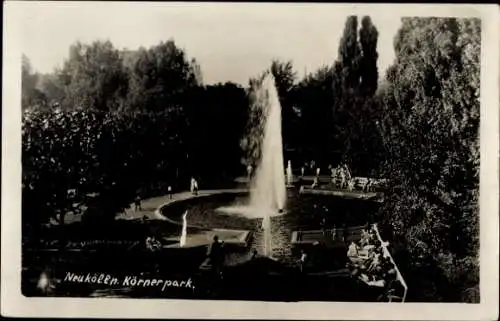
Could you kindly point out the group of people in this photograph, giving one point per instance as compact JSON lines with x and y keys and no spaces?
{"x":311,"y":168}
{"x":342,"y":175}
{"x":369,"y":262}
{"x":153,"y":244}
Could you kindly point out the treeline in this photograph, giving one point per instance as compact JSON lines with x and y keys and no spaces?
{"x":113,"y":123}
{"x":430,"y":128}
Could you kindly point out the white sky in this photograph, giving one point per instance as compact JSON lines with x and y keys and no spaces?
{"x":231,"y":41}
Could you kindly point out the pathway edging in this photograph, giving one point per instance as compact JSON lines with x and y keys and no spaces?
{"x":188,"y":196}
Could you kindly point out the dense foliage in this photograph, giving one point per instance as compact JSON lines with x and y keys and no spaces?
{"x":113,"y":123}
{"x":430,"y":127}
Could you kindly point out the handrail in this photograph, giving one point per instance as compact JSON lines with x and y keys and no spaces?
{"x":387,"y":253}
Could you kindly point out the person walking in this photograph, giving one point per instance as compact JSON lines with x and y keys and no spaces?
{"x":169,"y":191}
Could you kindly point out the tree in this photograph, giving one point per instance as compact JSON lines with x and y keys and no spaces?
{"x":217,"y":116}
{"x":53,"y":89}
{"x":350,"y":56}
{"x":31,"y":95}
{"x":354,"y":84}
{"x":285,"y":77}
{"x":430,"y":128}
{"x":368,"y":36}
{"x":314,"y":98}
{"x":94,"y":77}
{"x":160,"y":77}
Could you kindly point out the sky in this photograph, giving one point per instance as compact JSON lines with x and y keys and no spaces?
{"x":231,"y":41}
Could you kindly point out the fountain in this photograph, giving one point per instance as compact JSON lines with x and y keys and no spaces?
{"x":182,"y":241}
{"x":269,"y":192}
{"x":289,"y":175}
{"x":268,"y":189}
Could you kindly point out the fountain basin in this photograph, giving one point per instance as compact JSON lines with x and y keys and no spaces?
{"x":232,"y":238}
{"x":342,"y":193}
{"x":337,"y":235}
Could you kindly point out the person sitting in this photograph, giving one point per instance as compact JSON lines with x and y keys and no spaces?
{"x":334,"y":233}
{"x":347,"y":172}
{"x":350,"y":185}
{"x":315,"y":183}
{"x":365,"y":277}
{"x":367,"y":251}
{"x":372,"y":237}
{"x":364,"y":238}
{"x":368,"y":185}
{"x":375,"y":261}
{"x":333,"y":176}
{"x":152,"y":244}
{"x":342,"y":179}
{"x":148,"y":242}
{"x":354,"y":257}
{"x":353,"y":250}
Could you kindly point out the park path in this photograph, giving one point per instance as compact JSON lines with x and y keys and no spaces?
{"x":150,"y":207}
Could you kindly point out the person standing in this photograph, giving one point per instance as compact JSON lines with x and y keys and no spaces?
{"x":169,"y":191}
{"x":216,"y":255}
{"x":249,"y":172}
{"x":137,"y":203}
{"x":342,"y":178}
{"x":195,"y":187}
{"x":323,"y":226}
{"x":302,"y":260}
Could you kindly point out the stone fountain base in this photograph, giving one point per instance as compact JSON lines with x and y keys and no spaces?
{"x":233,"y":238}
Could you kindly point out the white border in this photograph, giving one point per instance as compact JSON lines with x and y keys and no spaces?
{"x":14,"y":304}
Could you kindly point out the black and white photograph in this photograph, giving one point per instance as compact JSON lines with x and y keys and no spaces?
{"x":253,"y":153}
